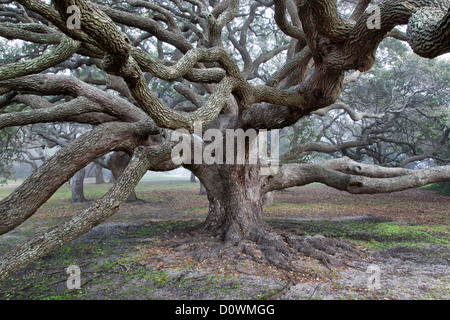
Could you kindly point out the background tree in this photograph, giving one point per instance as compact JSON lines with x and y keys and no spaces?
{"x":232,"y":65}
{"x":396,"y":114}
{"x":33,"y":142}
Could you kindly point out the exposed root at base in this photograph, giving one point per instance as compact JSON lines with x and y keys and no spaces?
{"x":278,"y":248}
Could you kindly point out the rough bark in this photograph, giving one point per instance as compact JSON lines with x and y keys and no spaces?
{"x":267,"y":199}
{"x":353,"y":177}
{"x":64,"y":51}
{"x":235,"y":215}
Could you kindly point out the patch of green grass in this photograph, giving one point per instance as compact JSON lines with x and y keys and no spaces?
{"x":159,"y":277}
{"x":95,"y":191}
{"x":65,"y":295}
{"x":279,"y":207}
{"x":153,"y":229}
{"x":442,"y":187}
{"x":5,"y":191}
{"x":191,"y":211}
{"x":268,"y":294}
{"x":377,"y":235}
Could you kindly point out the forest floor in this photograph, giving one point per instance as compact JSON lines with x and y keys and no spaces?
{"x":404,"y":235}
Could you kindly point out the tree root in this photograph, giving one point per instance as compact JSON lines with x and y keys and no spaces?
{"x":330,"y":252}
{"x":278,"y":248}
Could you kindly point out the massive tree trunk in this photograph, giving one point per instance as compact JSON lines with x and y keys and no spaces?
{"x":235,"y":201}
{"x":235,"y":215}
{"x":235,"y":218}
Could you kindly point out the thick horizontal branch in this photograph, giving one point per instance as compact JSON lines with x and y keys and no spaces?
{"x":168,"y":70}
{"x":49,"y":84}
{"x":294,"y":174}
{"x":56,"y":113}
{"x":187,"y":63}
{"x":323,"y":148}
{"x":346,"y":165}
{"x":32,"y":32}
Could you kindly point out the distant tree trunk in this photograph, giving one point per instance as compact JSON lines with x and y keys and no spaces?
{"x":89,"y":170}
{"x":111,"y":178}
{"x":78,"y":187}
{"x":132,"y":197}
{"x":193,"y":178}
{"x":99,"y":174}
{"x":267,"y":199}
{"x":202,"y":189}
{"x":118,"y":162}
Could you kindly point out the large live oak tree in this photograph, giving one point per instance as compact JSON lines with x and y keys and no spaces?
{"x":219,"y":54}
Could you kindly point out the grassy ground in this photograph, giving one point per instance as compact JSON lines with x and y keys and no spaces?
{"x":442,"y":187}
{"x":124,"y":258}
